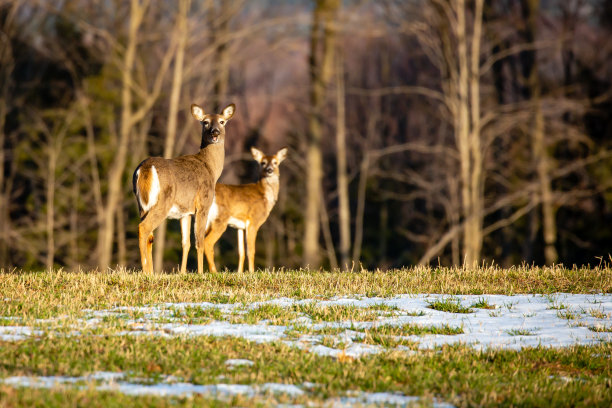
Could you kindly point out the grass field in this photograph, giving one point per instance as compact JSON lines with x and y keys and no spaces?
{"x":412,"y":337}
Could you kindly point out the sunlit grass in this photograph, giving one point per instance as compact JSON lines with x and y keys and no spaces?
{"x":450,"y":305}
{"x":51,"y":293}
{"x":458,"y":374}
{"x":521,"y":332}
{"x":483,"y":303}
{"x":60,"y":306}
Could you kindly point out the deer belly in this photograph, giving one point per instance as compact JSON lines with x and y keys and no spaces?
{"x":236,"y":223}
{"x":176,"y":213}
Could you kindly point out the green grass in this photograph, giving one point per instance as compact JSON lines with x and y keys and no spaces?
{"x":334,"y":313}
{"x":567,"y":314}
{"x":598,"y":314}
{"x":383,"y":330}
{"x":483,"y":303}
{"x":197,"y":314}
{"x":450,"y":305}
{"x":459,"y":375}
{"x":275,"y":314}
{"x":521,"y":332}
{"x":52,"y":293}
{"x":601,"y":328}
{"x":456,"y":374}
{"x":557,"y":306}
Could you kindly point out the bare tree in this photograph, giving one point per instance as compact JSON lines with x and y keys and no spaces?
{"x":541,"y":159}
{"x":344,"y":211}
{"x":321,"y":68}
{"x":130,"y":117}
{"x":182,"y":35}
{"x":7,"y":14}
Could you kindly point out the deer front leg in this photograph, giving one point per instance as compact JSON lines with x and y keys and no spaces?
{"x":251,"y":237}
{"x":212,"y":236}
{"x":240,"y":249}
{"x":200,"y":233}
{"x":185,"y":240}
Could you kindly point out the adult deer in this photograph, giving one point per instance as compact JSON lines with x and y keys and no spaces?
{"x":244,"y":207}
{"x":177,"y":188}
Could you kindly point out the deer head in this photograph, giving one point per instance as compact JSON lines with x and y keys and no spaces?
{"x":213,"y":125}
{"x":269,"y":164}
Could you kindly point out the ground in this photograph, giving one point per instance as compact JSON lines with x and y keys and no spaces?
{"x":417,"y":336}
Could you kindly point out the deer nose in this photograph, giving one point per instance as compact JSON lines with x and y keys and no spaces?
{"x":215,"y":132}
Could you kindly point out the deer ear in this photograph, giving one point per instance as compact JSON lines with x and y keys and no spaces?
{"x":197,"y":112}
{"x":257,"y":154}
{"x":228,"y":112}
{"x":281,"y":154}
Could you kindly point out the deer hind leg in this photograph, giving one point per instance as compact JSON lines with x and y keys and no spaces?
{"x":185,"y":240}
{"x":240,"y":249}
{"x":145,"y":243}
{"x":212,"y":236}
{"x":251,"y":237}
{"x":152,"y":219}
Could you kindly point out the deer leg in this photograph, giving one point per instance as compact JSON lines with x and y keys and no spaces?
{"x":185,"y":240}
{"x":240,"y":250}
{"x":200,"y":233}
{"x":214,"y":233}
{"x":145,"y":236}
{"x":150,"y":251}
{"x":251,"y":236}
{"x":154,"y":217}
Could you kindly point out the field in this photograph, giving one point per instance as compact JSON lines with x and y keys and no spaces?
{"x":411,"y":337}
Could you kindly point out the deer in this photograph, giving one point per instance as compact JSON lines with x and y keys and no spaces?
{"x":244,"y":207}
{"x":180,"y":187}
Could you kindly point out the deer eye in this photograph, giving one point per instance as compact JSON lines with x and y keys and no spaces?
{"x":274,"y":162}
{"x":206,"y":123}
{"x":264,"y":162}
{"x":222,"y":122}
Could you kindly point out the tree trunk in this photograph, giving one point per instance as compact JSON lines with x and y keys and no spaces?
{"x":175,"y":96}
{"x":359,"y":213}
{"x":540,"y":155}
{"x":105,"y":239}
{"x":344,"y":211}
{"x":321,"y":68}
{"x":467,"y":130}
{"x":121,"y":241}
{"x":50,"y":198}
{"x":219,"y":22}
{"x":4,"y":194}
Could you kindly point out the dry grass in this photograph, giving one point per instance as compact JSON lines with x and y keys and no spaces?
{"x":47,"y":293}
{"x":456,"y":374}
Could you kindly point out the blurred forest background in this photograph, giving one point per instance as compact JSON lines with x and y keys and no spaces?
{"x":420,"y":131}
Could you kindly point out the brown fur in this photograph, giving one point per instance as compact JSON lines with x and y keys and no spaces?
{"x":187,"y":186}
{"x":249,"y":203}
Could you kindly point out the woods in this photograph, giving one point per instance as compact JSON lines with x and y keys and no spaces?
{"x":444,"y":132}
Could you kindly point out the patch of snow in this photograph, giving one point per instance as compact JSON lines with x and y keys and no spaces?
{"x":514,"y":322}
{"x":108,"y":382}
{"x":236,"y":362}
{"x":17,"y":333}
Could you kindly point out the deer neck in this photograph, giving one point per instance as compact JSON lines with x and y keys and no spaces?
{"x":213,"y":156}
{"x":269,"y":185}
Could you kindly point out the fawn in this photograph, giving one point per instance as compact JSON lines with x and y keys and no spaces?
{"x":176,"y":188}
{"x":244,"y":207}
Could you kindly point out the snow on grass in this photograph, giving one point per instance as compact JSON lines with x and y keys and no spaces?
{"x":105,"y":381}
{"x":511,"y":322}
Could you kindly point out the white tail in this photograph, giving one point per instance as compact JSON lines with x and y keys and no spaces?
{"x":179,"y":187}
